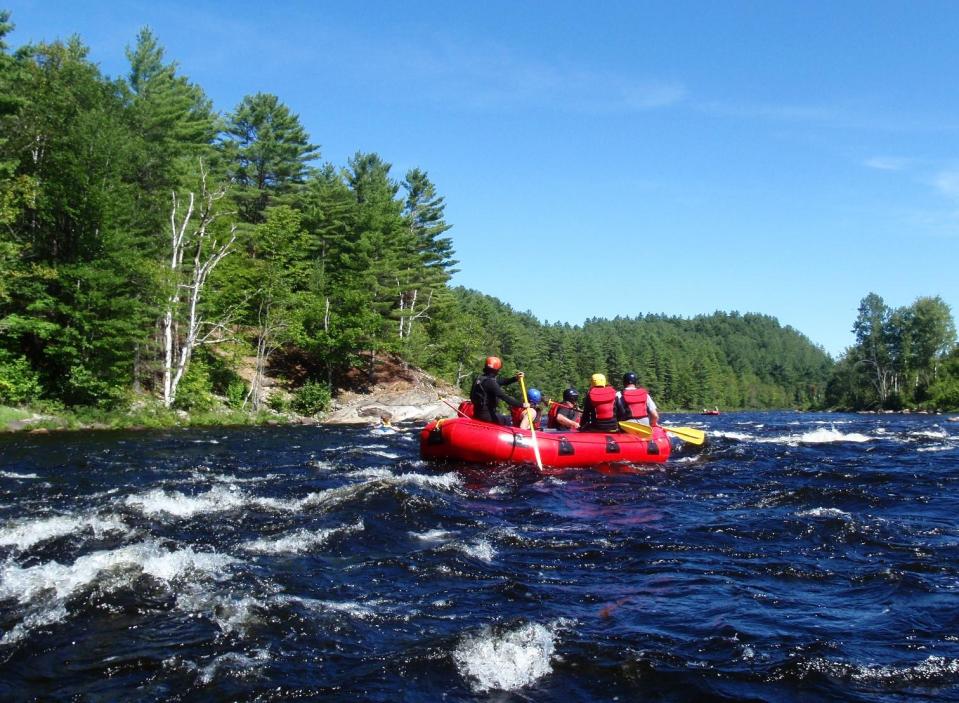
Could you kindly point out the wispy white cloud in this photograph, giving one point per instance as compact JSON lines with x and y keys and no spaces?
{"x":496,"y":77}
{"x":886,"y":163}
{"x":947,"y":183}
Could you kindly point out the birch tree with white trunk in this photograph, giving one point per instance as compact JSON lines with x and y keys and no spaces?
{"x":195,"y":250}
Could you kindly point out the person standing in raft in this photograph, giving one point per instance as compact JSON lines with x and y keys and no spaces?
{"x":635,"y":404}
{"x":487,"y":391}
{"x":565,"y":415}
{"x":599,"y":408}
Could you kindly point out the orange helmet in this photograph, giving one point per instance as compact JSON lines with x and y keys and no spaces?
{"x":494,"y":362}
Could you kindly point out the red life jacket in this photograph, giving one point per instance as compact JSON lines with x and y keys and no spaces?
{"x":635,"y":399}
{"x":603,"y":399}
{"x":554,"y":409}
{"x":466,"y":407}
{"x":516,"y":414}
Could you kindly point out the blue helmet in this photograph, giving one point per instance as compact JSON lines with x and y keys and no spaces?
{"x":534,"y":396}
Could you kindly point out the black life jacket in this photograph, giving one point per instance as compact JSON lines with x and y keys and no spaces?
{"x":554,"y":410}
{"x":480,"y":399}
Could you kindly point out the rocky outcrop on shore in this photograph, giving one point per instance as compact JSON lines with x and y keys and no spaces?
{"x":398,"y":393}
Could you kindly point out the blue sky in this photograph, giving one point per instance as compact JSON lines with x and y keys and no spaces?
{"x":785,"y":158}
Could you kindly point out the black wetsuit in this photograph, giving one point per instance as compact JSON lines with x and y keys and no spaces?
{"x":486,"y":393}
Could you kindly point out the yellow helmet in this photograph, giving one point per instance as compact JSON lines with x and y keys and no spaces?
{"x":598,"y":379}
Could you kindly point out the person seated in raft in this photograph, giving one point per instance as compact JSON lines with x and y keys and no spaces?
{"x":635,"y":404}
{"x":599,"y":407}
{"x":520,"y":416}
{"x":487,"y":391}
{"x":565,"y":415}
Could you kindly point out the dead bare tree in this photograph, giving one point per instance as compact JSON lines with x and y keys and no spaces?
{"x":191,"y":231}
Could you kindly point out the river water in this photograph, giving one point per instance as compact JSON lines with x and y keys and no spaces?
{"x":797,"y":557}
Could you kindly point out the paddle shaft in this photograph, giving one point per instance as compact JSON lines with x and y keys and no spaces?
{"x":532,"y":424}
{"x":456,"y":409}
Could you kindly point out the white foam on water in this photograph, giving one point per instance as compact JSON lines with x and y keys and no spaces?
{"x":146,"y":558}
{"x":26,"y":533}
{"x":432,"y":535}
{"x":371,"y":473}
{"x":217,"y":500}
{"x":231,"y":614}
{"x":930,"y":434}
{"x":14,"y":474}
{"x":45,"y":589}
{"x":937,"y":448}
{"x":480,"y":549}
{"x":33,"y":620}
{"x":224,"y":498}
{"x":229,"y":478}
{"x":741,"y":436}
{"x":385,"y":455}
{"x":237,"y":663}
{"x":334,"y":496}
{"x":824,"y":436}
{"x":300,"y":541}
{"x":236,"y":615}
{"x":834,"y":513}
{"x":817,"y":436}
{"x":509,"y":660}
{"x":933,"y":668}
{"x":448,"y":481}
{"x":360,"y":611}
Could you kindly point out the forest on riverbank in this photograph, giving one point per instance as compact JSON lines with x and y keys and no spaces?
{"x":903,"y":358}
{"x":155,"y":250}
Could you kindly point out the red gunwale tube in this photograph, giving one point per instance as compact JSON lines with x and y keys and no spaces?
{"x":465,"y":439}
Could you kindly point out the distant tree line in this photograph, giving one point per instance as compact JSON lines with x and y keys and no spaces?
{"x":150,"y":247}
{"x":902,"y":358}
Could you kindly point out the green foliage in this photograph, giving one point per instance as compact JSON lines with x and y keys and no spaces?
{"x":724,"y":359}
{"x":236,"y":394}
{"x":279,"y":403}
{"x":336,"y":263}
{"x":8,"y":415}
{"x":268,"y":150}
{"x":899,"y":359}
{"x":19,"y":383}
{"x":311,"y":398}
{"x":195,"y":390}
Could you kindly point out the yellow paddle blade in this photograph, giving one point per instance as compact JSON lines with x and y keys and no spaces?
{"x":636,"y":428}
{"x":687,"y":434}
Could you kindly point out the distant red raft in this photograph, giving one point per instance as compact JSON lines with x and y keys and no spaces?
{"x":465,"y":439}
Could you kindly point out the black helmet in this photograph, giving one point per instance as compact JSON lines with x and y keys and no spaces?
{"x":570,"y":395}
{"x":629,"y":378}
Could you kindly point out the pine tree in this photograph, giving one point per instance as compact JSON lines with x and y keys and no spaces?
{"x":268,"y":152}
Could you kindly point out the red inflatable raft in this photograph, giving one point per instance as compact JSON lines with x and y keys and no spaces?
{"x":465,"y":439}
